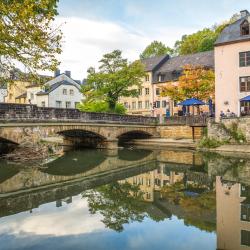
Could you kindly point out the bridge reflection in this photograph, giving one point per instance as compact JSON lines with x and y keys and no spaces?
{"x":169,"y":181}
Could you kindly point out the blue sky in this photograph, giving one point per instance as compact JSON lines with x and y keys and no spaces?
{"x":94,"y":27}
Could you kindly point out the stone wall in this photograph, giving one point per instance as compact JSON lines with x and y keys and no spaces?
{"x":25,"y":112}
{"x":179,"y":132}
{"x":216,"y":131}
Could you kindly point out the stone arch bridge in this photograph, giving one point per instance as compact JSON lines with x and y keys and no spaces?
{"x":20,"y":124}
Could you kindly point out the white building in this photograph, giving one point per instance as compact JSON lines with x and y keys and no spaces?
{"x":60,"y":92}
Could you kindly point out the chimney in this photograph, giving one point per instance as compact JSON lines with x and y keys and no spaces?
{"x":244,"y":13}
{"x":57,"y":73}
{"x":68,"y":73}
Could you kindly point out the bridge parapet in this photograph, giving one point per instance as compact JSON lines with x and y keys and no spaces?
{"x":25,"y":113}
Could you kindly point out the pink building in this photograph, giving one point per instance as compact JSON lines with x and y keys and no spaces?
{"x":232,"y":68}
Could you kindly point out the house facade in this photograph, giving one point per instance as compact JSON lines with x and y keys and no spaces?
{"x":161,"y":71}
{"x":61,"y":92}
{"x":232,"y":68}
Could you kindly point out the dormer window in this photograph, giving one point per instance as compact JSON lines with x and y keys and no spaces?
{"x":160,"y":78}
{"x":245,"y":28}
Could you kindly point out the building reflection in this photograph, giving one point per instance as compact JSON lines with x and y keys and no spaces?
{"x":233,"y":215}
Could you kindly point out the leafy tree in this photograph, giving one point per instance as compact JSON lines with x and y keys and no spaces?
{"x":101,"y":106}
{"x":119,"y":203}
{"x":202,"y":40}
{"x":156,"y":49}
{"x":27,"y":36}
{"x":196,"y":81}
{"x":115,"y":78}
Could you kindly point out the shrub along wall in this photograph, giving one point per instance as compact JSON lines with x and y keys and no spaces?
{"x":224,"y":129}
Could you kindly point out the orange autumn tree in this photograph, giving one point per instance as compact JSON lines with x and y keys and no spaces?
{"x":195,"y":82}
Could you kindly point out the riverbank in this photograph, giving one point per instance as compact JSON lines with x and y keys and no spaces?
{"x":166,"y":143}
{"x":190,"y":144}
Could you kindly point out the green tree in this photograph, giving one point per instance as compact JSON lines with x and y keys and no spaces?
{"x":195,"y":81}
{"x":119,"y":203}
{"x":115,"y":78}
{"x":156,"y":49}
{"x":202,"y":40}
{"x":27,"y":36}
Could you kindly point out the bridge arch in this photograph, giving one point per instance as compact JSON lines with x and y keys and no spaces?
{"x":133,"y":134}
{"x":82,"y":138}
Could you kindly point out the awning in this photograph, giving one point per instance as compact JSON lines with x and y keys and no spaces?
{"x":245,"y":99}
{"x":191,"y":102}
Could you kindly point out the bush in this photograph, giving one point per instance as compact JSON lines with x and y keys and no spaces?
{"x":101,"y":106}
{"x":207,"y":142}
{"x":236,"y":133}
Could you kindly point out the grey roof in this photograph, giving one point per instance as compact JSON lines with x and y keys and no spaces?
{"x":232,"y":32}
{"x":24,"y":95}
{"x":55,"y":86}
{"x":173,"y":67}
{"x":153,"y":62}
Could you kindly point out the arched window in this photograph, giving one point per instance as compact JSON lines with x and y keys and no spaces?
{"x":245,"y":29}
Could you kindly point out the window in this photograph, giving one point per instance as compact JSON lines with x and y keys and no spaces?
{"x":140,"y":105}
{"x":147,"y":78}
{"x":133,"y":105}
{"x":140,"y":91}
{"x":245,"y":28}
{"x":43,"y":104}
{"x":157,"y":91}
{"x":164,"y":104}
{"x":244,"y":59}
{"x":58,"y":104}
{"x":157,"y":182}
{"x":245,"y":238}
{"x":147,"y":91}
{"x":148,"y":196}
{"x":76,"y":104}
{"x":157,"y":104}
{"x":32,"y":96}
{"x":160,"y":78}
{"x":148,"y":182}
{"x":245,"y":84}
{"x":175,"y":104}
{"x":125,"y":104}
{"x":71,"y":92}
{"x":68,"y":105}
{"x":65,"y":91}
{"x":245,"y":108}
{"x":147,"y":104}
{"x":245,"y":212}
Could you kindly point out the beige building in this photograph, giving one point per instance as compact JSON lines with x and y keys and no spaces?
{"x":233,"y":215}
{"x":161,"y":71}
{"x":232,"y":68}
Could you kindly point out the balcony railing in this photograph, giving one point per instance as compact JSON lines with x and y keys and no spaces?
{"x":196,"y":120}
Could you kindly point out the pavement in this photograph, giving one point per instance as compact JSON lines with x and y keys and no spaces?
{"x":233,"y":148}
{"x":163,"y":142}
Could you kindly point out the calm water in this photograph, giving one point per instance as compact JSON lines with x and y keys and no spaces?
{"x":127,"y":199}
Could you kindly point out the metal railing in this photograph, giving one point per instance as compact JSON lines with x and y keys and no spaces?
{"x":196,"y":120}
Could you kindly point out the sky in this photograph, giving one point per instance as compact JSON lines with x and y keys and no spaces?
{"x":92,"y":28}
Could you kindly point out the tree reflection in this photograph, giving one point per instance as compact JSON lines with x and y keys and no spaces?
{"x":119,"y":203}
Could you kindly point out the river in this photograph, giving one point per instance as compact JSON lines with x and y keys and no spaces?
{"x":127,"y":199}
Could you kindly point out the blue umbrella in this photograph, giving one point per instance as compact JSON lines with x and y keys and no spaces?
{"x":245,"y":99}
{"x":191,"y":102}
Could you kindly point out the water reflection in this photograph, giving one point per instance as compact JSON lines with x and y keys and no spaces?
{"x":130,"y":199}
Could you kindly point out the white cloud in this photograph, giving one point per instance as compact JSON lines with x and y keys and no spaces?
{"x":85,"y":41}
{"x":71,"y":220}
